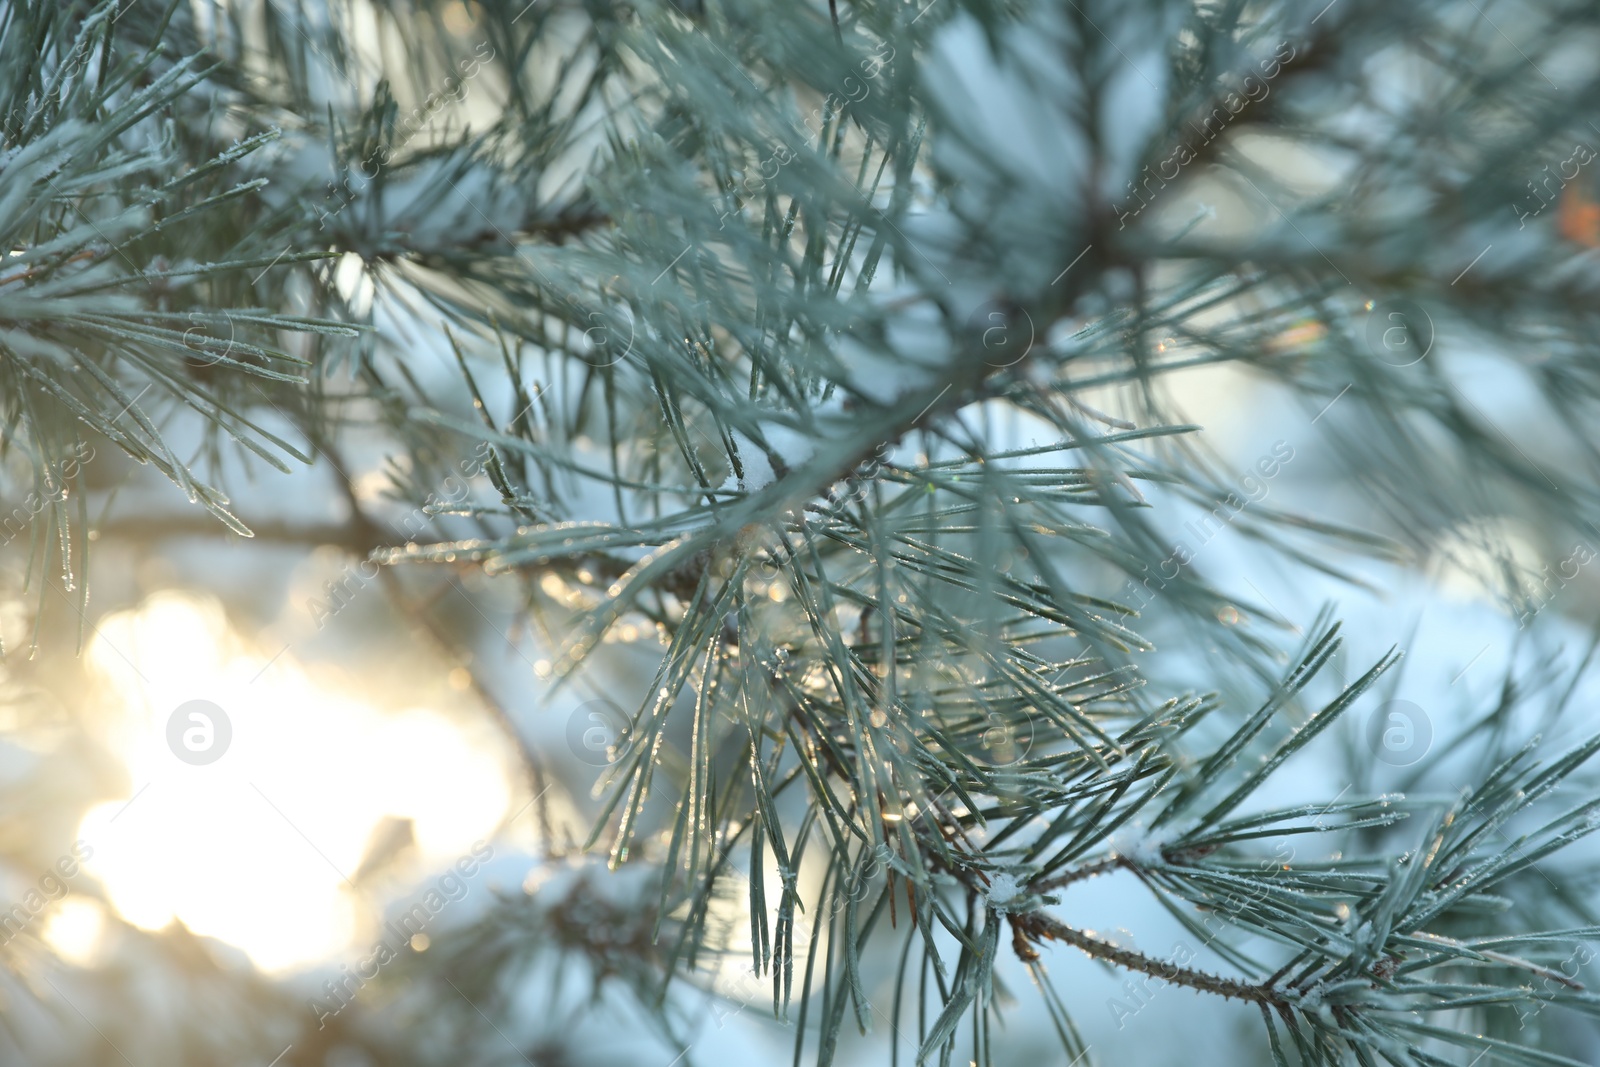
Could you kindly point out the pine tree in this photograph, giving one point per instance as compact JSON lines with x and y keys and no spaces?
{"x":833,"y":359}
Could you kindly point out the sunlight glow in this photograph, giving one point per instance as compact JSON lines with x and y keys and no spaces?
{"x":75,"y":930}
{"x":257,"y":848}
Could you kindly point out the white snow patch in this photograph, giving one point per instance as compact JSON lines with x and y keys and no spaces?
{"x":1141,"y":845}
{"x":1004,"y":889}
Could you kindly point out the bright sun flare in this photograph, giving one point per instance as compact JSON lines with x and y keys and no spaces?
{"x":254,"y":849}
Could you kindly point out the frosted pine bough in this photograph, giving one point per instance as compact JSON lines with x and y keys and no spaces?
{"x":900,"y":704}
{"x":911,"y":747}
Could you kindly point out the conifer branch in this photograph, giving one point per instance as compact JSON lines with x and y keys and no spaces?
{"x":1035,"y":925}
{"x":1079,"y":874}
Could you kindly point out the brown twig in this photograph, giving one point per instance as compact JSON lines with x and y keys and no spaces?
{"x":1034,"y":925}
{"x":1079,"y":874}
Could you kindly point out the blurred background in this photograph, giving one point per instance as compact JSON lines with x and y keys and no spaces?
{"x":242,"y":765}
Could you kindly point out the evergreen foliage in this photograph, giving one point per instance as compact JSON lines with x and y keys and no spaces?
{"x":827,"y":355}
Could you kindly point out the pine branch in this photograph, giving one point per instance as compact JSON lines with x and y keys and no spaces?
{"x":1034,"y":926}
